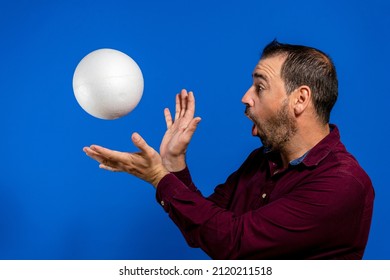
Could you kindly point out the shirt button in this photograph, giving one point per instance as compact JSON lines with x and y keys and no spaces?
{"x":264,"y":195}
{"x":162,"y":203}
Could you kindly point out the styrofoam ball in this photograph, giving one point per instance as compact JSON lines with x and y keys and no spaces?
{"x":108,"y":84}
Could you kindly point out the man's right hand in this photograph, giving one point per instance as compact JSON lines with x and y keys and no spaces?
{"x":179,"y":132}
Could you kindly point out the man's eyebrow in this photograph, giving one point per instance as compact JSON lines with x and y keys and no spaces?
{"x":259,"y":76}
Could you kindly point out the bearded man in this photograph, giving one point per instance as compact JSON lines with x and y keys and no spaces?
{"x":301,"y":195}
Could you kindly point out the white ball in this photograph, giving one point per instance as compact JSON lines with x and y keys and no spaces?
{"x":108,"y":84}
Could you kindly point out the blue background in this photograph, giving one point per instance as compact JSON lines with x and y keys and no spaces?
{"x":55,"y":203}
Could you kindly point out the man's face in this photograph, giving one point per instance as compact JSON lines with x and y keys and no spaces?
{"x":268,"y":105}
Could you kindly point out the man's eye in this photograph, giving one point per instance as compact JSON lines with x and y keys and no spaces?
{"x":259,"y":88}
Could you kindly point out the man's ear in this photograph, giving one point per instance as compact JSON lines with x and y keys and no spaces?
{"x":301,"y":99}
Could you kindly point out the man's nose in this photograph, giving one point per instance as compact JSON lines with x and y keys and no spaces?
{"x":247,"y":99}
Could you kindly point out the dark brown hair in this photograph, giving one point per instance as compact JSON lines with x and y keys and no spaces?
{"x":311,"y":67}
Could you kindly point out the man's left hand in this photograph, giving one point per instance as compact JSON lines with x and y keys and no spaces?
{"x":145,"y":164}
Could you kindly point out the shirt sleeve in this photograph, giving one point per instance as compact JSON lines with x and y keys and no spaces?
{"x":222,"y":193}
{"x":305,"y":219}
{"x":185,"y":176}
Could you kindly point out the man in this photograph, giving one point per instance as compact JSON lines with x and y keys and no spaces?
{"x":300,"y":196}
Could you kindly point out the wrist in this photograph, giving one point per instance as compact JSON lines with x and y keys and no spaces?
{"x":158,"y":176}
{"x":175,"y":164}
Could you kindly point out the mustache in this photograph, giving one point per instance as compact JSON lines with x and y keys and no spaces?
{"x":248,"y":112}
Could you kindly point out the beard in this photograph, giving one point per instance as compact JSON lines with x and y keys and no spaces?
{"x":276,"y":131}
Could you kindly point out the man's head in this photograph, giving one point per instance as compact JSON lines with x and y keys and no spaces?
{"x":290,"y":83}
{"x":310,"y":67}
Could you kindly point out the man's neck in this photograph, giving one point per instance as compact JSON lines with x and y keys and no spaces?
{"x":303,"y":141}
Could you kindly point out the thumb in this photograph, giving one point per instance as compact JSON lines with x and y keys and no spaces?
{"x":192,"y":127}
{"x":140,"y":143}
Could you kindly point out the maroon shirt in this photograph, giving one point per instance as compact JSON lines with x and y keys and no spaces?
{"x":320,"y":207}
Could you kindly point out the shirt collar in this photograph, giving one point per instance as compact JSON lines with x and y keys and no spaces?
{"x":320,"y":151}
{"x":299,"y":160}
{"x":323,"y":148}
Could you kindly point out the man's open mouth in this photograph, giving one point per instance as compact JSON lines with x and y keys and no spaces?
{"x":254,"y":127}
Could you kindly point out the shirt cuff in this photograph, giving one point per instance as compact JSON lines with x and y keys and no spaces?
{"x":184,"y":176}
{"x":167,"y":188}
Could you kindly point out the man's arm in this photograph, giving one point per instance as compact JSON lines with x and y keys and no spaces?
{"x":294,"y":226}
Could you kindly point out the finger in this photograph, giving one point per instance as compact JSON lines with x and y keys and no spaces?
{"x":190,"y":130}
{"x":168,"y":118}
{"x":92,"y":154}
{"x":190,"y":107}
{"x":114,"y":157}
{"x":141,"y":144}
{"x":177,"y":107}
{"x":104,"y":163}
{"x":109,"y":168}
{"x":183,"y":100}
